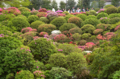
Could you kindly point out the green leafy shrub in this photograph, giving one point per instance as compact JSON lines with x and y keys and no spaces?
{"x":41,"y":14}
{"x":32,"y":18}
{"x":118,"y":9}
{"x":6,"y":32}
{"x":85,"y":35}
{"x":10,"y":76}
{"x":68,"y":48}
{"x":66,"y":13}
{"x":88,"y":28}
{"x":91,"y":16}
{"x":75,"y":30}
{"x":58,"y":22}
{"x":76,"y":63}
{"x":92,"y":12}
{"x":75,"y":20}
{"x":2,"y":17}
{"x":19,"y":23}
{"x":114,"y":20}
{"x":57,"y":60}
{"x":46,"y":28}
{"x":24,"y":74}
{"x":52,"y":15}
{"x":76,"y":37}
{"x":59,"y":73}
{"x":116,"y":75}
{"x":36,"y":24}
{"x":22,"y":58}
{"x":44,"y":19}
{"x":91,"y":21}
{"x":82,"y":42}
{"x":41,"y":48}
{"x":114,"y":15}
{"x":98,"y":31}
{"x":39,"y":74}
{"x":10,"y":16}
{"x":92,"y":38}
{"x":68,"y":16}
{"x":104,"y":20}
{"x":111,"y":10}
{"x":60,"y":38}
{"x":103,"y":26}
{"x":107,"y":6}
{"x":25,"y":11}
{"x":67,"y":26}
{"x":97,"y":9}
{"x":5,"y":22}
{"x":82,"y":16}
{"x":102,"y":14}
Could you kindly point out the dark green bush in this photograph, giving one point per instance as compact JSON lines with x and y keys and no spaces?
{"x":21,"y":61}
{"x":116,"y":75}
{"x":92,"y":12}
{"x":32,"y":18}
{"x":91,"y":21}
{"x":19,"y":23}
{"x":118,"y":9}
{"x":107,"y":6}
{"x":98,"y":31}
{"x":104,"y":20}
{"x":114,"y":15}
{"x":82,"y":16}
{"x":111,"y":10}
{"x":76,"y":20}
{"x":114,"y":20}
{"x":24,"y":74}
{"x":57,"y":60}
{"x":59,"y":73}
{"x":44,"y":19}
{"x":102,"y":14}
{"x":103,"y":26}
{"x":91,"y":16}
{"x":2,"y":17}
{"x":25,"y":11}
{"x":82,"y":42}
{"x":75,"y":30}
{"x":76,"y":63}
{"x":85,"y":36}
{"x":76,"y":37}
{"x":35,"y":24}
{"x":41,"y":48}
{"x":92,"y":38}
{"x":88,"y":28}
{"x":58,"y":22}
{"x":68,"y":16}
{"x":46,"y":28}
{"x":67,"y":26}
{"x":21,"y":16}
{"x":10,"y":76}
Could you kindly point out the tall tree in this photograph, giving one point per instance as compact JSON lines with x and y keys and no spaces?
{"x":70,"y":4}
{"x":86,"y":3}
{"x":14,"y":3}
{"x":79,"y":5}
{"x":115,"y":2}
{"x":94,"y":4}
{"x":54,"y":4}
{"x":62,"y":5}
{"x":46,"y":4}
{"x":101,"y":3}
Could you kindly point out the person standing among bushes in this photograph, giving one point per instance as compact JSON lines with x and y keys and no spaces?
{"x":83,"y":9}
{"x":53,"y":9}
{"x":73,"y":10}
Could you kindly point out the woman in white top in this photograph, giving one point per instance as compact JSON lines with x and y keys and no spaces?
{"x":53,"y":9}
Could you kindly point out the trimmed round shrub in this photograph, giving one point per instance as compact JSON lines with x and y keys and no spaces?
{"x":59,"y":72}
{"x":114,"y":15}
{"x":91,"y":16}
{"x":28,"y":29}
{"x":111,"y":10}
{"x":98,"y":31}
{"x":67,"y":26}
{"x":68,"y":16}
{"x":76,"y":63}
{"x":82,"y":42}
{"x":6,"y":32}
{"x":85,"y":36}
{"x":16,"y":60}
{"x":9,"y":16}
{"x":101,"y":10}
{"x":118,"y":9}
{"x":68,"y":48}
{"x":42,"y":14}
{"x":116,"y":75}
{"x":75,"y":30}
{"x":76,"y":37}
{"x":66,"y":12}
{"x":107,"y":6}
{"x":75,"y":20}
{"x":36,"y":24}
{"x":114,"y":20}
{"x":60,"y":38}
{"x":25,"y":11}
{"x":92,"y":38}
{"x":44,"y":19}
{"x":32,"y":18}
{"x":58,"y":22}
{"x":41,"y":48}
{"x":82,"y":16}
{"x":42,"y":34}
{"x":92,"y":12}
{"x":39,"y":74}
{"x":58,"y":60}
{"x":52,"y":15}
{"x":21,"y":16}
{"x":19,"y":23}
{"x":24,"y":74}
{"x":104,"y":20}
{"x":103,"y":26}
{"x":46,"y":28}
{"x":102,"y":14}
{"x":88,"y":28}
{"x":34,"y":12}
{"x":42,"y":10}
{"x":91,"y":21}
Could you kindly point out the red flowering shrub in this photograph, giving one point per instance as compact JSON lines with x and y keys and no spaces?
{"x":109,"y":35}
{"x":117,"y":28}
{"x":42,"y":34}
{"x":75,"y":30}
{"x":52,"y":15}
{"x":1,"y":10}
{"x":103,"y":26}
{"x":75,"y":20}
{"x":98,"y":31}
{"x":39,"y":74}
{"x":42,"y":10}
{"x":61,"y":14}
{"x":100,"y":37}
{"x":101,"y":10}
{"x":60,"y":38}
{"x":42,"y":14}
{"x":14,"y":10}
{"x":28,"y":29}
{"x":89,"y":45}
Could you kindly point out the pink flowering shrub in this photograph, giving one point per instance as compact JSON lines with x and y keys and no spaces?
{"x":109,"y":35}
{"x":117,"y":28}
{"x":60,"y":38}
{"x":1,"y":35}
{"x":98,"y":31}
{"x":39,"y":74}
{"x":28,"y":29}
{"x":14,"y":10}
{"x":1,"y":10}
{"x":89,"y":45}
{"x":104,"y":20}
{"x":42,"y":10}
{"x":52,"y":15}
{"x":101,"y":10}
{"x":100,"y":37}
{"x":42,"y":14}
{"x":103,"y":26}
{"x":61,"y":14}
{"x":42,"y":34}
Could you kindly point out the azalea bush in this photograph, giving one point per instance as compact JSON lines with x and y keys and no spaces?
{"x":75,"y":30}
{"x":113,"y":15}
{"x":36,"y":24}
{"x":98,"y":31}
{"x":100,"y":15}
{"x":76,"y":37}
{"x":82,"y":16}
{"x":42,"y":34}
{"x":52,"y":15}
{"x":42,"y":14}
{"x":111,"y":10}
{"x":104,"y":20}
{"x":82,"y":42}
{"x":28,"y":29}
{"x":39,"y":74}
{"x":44,"y":19}
{"x":42,"y":10}
{"x":60,"y":38}
{"x":14,"y":10}
{"x":103,"y":26}
{"x":114,"y":20}
{"x":68,"y":16}
{"x":85,"y":36}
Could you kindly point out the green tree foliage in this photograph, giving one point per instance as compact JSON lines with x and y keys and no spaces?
{"x":62,"y":5}
{"x":115,"y":2}
{"x":86,"y":3}
{"x":94,"y":4}
{"x":79,"y":3}
{"x":46,"y":4}
{"x":70,"y":4}
{"x":101,"y":3}
{"x":54,"y":4}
